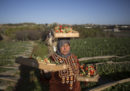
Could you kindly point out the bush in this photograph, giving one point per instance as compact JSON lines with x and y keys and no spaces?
{"x":21,"y":35}
{"x":44,"y":35}
{"x":28,"y":35}
{"x":1,"y":38}
{"x":119,"y":87}
{"x":92,"y":32}
{"x":34,"y":35}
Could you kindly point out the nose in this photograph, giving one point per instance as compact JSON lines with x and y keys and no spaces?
{"x":64,"y":47}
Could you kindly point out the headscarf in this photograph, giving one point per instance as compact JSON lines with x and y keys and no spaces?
{"x":60,"y":43}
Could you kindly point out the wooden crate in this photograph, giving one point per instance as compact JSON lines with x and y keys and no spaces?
{"x":88,"y":79}
{"x":40,"y":65}
{"x":66,"y":35}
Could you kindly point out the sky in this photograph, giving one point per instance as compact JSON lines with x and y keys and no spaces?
{"x":65,"y":11}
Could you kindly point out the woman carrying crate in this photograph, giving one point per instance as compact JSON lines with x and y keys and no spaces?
{"x":64,"y":80}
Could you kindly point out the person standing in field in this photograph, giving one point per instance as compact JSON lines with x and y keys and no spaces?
{"x":64,"y":80}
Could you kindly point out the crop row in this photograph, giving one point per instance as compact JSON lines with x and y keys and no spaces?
{"x":100,"y":46}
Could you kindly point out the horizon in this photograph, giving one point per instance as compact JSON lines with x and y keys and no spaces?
{"x":101,"y":12}
{"x":61,"y":23}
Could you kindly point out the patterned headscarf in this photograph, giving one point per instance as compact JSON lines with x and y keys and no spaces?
{"x":61,"y":42}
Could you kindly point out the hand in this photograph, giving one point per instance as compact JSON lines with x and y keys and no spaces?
{"x":45,"y":71}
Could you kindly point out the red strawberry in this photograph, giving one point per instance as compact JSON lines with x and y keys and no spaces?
{"x":60,"y":26}
{"x":92,"y":72}
{"x":82,"y":66}
{"x":86,"y":68}
{"x":57,"y":31}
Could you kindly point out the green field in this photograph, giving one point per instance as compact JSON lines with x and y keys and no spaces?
{"x":119,"y":87}
{"x":100,"y":46}
{"x":91,"y":47}
{"x":88,"y":47}
{"x":9,"y":50}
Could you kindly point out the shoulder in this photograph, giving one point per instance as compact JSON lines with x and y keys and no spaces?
{"x":73,"y":55}
{"x":76,"y":58}
{"x":53,"y":56}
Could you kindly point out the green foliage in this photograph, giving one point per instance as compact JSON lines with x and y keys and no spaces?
{"x":4,"y":69}
{"x":1,"y":38}
{"x":13,"y":30}
{"x":109,"y":73}
{"x":87,"y":85}
{"x":9,"y":49}
{"x":87,"y":47}
{"x":40,"y":50}
{"x":119,"y":87}
{"x":89,"y":32}
{"x":90,"y":47}
{"x":28,"y":35}
{"x":9,"y":88}
{"x":106,"y":69}
{"x":114,"y":59}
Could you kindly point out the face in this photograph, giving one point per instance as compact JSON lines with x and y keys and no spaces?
{"x":65,"y":49}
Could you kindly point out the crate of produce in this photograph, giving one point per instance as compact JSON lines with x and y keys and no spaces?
{"x":88,"y":79}
{"x":65,"y":32}
{"x":41,"y":64}
{"x":88,"y":73}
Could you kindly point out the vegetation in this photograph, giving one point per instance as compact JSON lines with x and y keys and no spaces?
{"x":4,"y":69}
{"x":119,"y":87}
{"x":89,"y":32}
{"x":40,"y":50}
{"x":9,"y":50}
{"x":93,"y":42}
{"x":90,"y":47}
{"x":32,"y":31}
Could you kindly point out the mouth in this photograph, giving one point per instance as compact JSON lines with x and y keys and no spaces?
{"x":65,"y":52}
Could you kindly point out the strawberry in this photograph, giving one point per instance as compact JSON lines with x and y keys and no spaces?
{"x":57,"y":31}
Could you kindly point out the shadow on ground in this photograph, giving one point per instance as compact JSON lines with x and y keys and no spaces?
{"x":31,"y":79}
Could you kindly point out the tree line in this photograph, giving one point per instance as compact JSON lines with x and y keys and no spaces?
{"x":32,"y":31}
